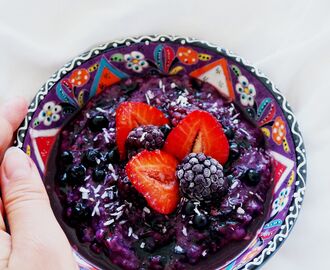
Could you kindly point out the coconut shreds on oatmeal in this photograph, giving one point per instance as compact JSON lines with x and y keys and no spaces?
{"x":117,"y":221}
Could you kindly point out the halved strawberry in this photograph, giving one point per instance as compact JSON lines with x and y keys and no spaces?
{"x":152,"y":173}
{"x":199,"y":131}
{"x":130,"y":115}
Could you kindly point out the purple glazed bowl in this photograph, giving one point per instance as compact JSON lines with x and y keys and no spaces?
{"x":102,"y":66}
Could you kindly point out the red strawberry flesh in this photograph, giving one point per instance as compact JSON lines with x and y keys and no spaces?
{"x":198,"y":132}
{"x":152,"y":173}
{"x":130,"y":115}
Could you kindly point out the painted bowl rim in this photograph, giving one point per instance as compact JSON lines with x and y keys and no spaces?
{"x":301,"y":169}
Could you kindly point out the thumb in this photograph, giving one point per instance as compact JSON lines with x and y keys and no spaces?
{"x":37,"y":238}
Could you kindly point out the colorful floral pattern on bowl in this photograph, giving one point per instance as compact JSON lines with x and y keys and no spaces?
{"x":88,"y":74}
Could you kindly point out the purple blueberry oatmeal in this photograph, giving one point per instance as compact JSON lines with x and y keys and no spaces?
{"x":161,"y":173}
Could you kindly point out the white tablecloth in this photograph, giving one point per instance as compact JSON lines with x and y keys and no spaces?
{"x":288,"y":40}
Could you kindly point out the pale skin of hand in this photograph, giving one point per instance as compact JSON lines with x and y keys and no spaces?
{"x":36,"y":241}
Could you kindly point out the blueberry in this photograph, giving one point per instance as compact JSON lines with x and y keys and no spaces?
{"x":124,"y":184}
{"x":90,"y":157}
{"x":80,"y":211}
{"x":227,"y":167}
{"x":77,"y":173}
{"x":66,"y":157}
{"x":200,"y":221}
{"x":63,"y":179}
{"x":128,"y":88}
{"x":189,"y":209}
{"x":98,"y":175}
{"x":252,"y":177}
{"x":234,"y":151}
{"x":98,"y":122}
{"x":112,"y":155}
{"x":150,"y":244}
{"x":244,"y":144}
{"x":230,"y":179}
{"x":165,"y":129}
{"x":214,"y":232}
{"x":229,"y":132}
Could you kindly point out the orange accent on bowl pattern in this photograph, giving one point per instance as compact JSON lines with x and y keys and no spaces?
{"x":79,"y":77}
{"x":278,"y":130}
{"x":217,"y":73}
{"x":187,"y":56}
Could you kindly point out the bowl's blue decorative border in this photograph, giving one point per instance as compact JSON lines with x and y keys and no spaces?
{"x":300,"y":183}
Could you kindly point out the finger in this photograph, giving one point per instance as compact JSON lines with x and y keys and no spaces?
{"x":11,"y":116}
{"x":5,"y":249}
{"x":32,"y":224}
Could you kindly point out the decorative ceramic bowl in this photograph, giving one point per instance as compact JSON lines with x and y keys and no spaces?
{"x":54,"y":105}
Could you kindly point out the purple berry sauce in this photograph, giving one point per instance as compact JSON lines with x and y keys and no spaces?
{"x":111,"y":224}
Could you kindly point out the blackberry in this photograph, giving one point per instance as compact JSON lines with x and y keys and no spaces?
{"x":201,"y":177}
{"x":144,"y":137}
{"x":176,"y":114}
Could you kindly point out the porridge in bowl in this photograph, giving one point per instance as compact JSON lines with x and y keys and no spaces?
{"x":161,"y":172}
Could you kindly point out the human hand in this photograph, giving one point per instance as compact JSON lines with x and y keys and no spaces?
{"x":36,"y":241}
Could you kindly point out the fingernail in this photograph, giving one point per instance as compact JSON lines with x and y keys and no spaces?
{"x":16,"y":164}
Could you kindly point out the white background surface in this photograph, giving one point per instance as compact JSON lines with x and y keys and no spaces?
{"x":287,"y":40}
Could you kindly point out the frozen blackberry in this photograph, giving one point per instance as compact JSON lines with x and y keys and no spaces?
{"x":144,"y":137}
{"x":176,"y":114}
{"x":201,"y":177}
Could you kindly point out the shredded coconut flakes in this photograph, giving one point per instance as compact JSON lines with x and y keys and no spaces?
{"x":109,"y":222}
{"x":240,"y":211}
{"x":146,"y":209}
{"x":184,"y":231}
{"x":96,"y":209}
